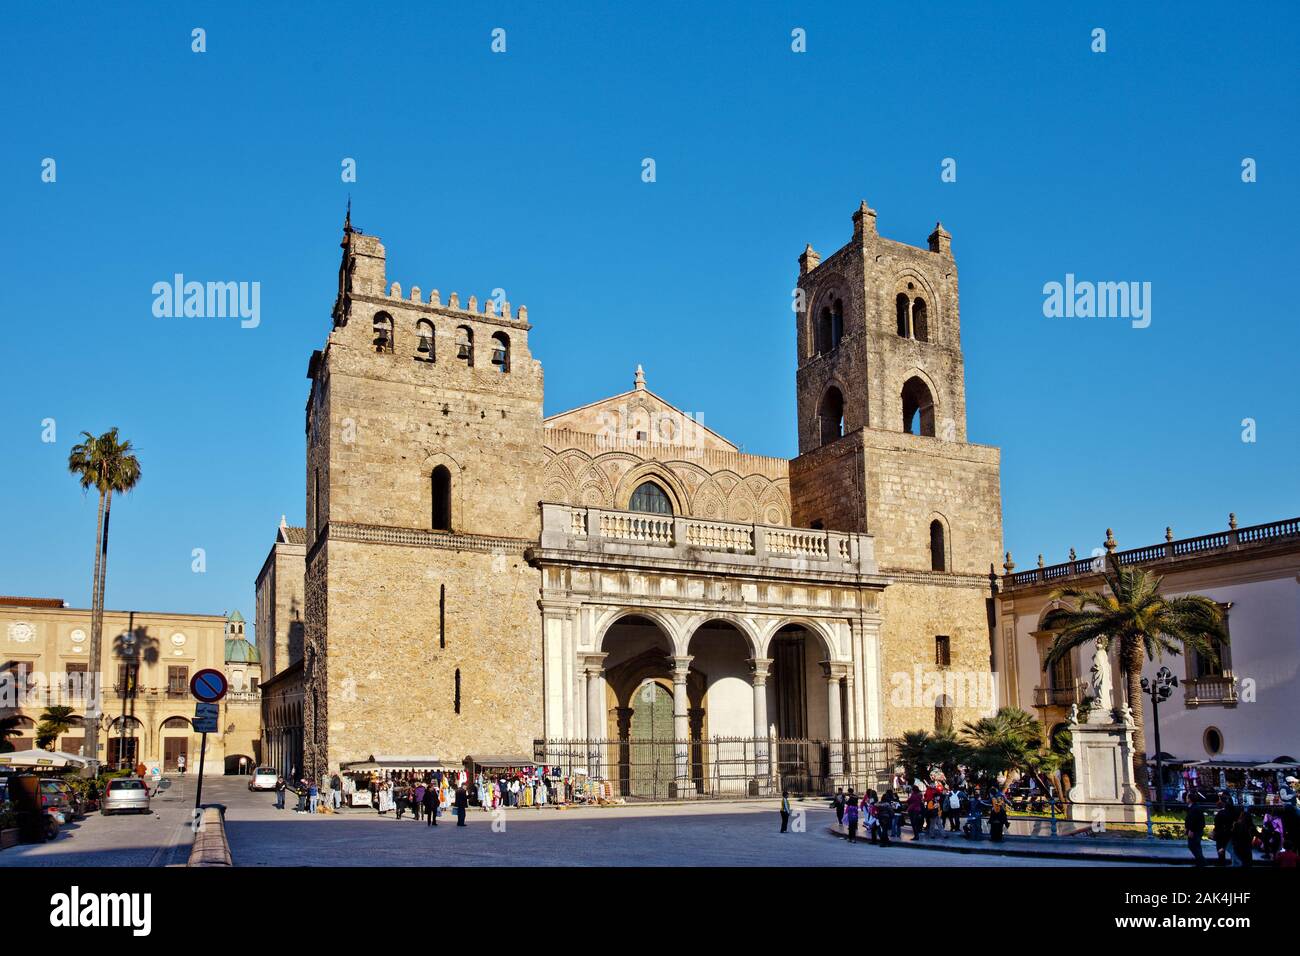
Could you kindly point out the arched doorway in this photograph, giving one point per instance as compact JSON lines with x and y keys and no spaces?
{"x":798,"y":709}
{"x":124,"y":742}
{"x":637,"y":713}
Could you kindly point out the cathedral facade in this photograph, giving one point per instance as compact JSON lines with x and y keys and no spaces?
{"x":619,"y":586}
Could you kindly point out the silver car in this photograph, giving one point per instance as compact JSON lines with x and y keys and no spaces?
{"x":125,"y":793}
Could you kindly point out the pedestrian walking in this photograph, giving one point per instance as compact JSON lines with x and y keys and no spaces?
{"x":430,"y":801}
{"x":837,"y":802}
{"x":915,"y":811}
{"x":462,"y":801}
{"x":1225,"y":816}
{"x":785,"y":810}
{"x":885,"y":814}
{"x":851,"y":815}
{"x":998,"y":820}
{"x":280,"y":786}
{"x":313,"y":797}
{"x":1243,"y":839}
{"x":1194,"y":825}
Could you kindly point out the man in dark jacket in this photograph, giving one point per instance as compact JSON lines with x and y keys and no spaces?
{"x":838,"y":804}
{"x":280,"y":787}
{"x":462,"y":801}
{"x":1224,"y":818}
{"x":1195,"y":825}
{"x":431,"y":806}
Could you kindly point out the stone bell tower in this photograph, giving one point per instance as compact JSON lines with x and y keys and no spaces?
{"x":424,"y":465}
{"x":883,"y":450}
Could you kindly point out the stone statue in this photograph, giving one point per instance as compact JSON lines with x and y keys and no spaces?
{"x":1073,"y":718}
{"x":1103,"y":700}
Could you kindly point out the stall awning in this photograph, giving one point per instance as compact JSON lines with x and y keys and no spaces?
{"x":394,"y":762}
{"x":498,"y":760}
{"x":1227,"y":763}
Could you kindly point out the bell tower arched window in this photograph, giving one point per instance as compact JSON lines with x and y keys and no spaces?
{"x":920,"y":320}
{"x":831,"y":415}
{"x":440,"y":487}
{"x":501,"y":351}
{"x":650,"y":498}
{"x":465,"y":344}
{"x":918,"y":408}
{"x":837,"y":323}
{"x":901,"y":314}
{"x":424,"y":332}
{"x":383,"y":328}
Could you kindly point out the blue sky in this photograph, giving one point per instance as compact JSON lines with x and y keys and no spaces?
{"x":522,"y":170}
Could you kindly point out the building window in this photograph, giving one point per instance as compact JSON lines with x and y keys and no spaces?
{"x":837,"y":323}
{"x":425,"y":351}
{"x":1213,"y":740}
{"x":824,"y":331}
{"x":465,"y":344}
{"x":942,"y":651}
{"x":651,"y":498}
{"x":920,"y":321}
{"x":442,"y":615}
{"x":918,"y":408}
{"x":178,"y":681}
{"x":901,"y":311}
{"x":457,"y":701}
{"x":76,"y":680}
{"x":440,"y":487}
{"x":383,"y":328}
{"x":126,"y":680}
{"x":500,"y":351}
{"x":831,"y":416}
{"x":315,"y":501}
{"x":938,"y":551}
{"x":1063,"y":675}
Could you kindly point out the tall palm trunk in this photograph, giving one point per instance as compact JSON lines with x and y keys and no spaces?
{"x":94,"y":705}
{"x":1133,"y":661}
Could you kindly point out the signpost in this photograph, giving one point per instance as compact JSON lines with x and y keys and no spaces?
{"x":208,"y":686}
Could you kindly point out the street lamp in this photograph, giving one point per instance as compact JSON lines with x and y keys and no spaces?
{"x":1161,"y":687}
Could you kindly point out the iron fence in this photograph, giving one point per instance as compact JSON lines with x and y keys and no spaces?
{"x":662,"y":769}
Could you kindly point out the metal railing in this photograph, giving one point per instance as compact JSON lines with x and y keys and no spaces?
{"x":661,"y":769}
{"x":1260,"y":534}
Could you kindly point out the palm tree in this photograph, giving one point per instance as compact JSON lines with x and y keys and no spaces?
{"x":8,"y":728}
{"x":1008,"y":741}
{"x":106,"y":464}
{"x":914,"y":754}
{"x":1143,"y":623}
{"x":55,"y":722}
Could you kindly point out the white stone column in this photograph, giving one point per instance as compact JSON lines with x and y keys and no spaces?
{"x":681,"y":728}
{"x":592,"y":673}
{"x":761,"y":666}
{"x":834,"y":672}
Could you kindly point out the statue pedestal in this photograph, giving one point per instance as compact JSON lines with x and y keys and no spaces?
{"x":1104,"y":790}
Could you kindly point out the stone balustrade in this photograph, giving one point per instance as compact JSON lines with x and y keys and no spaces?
{"x":570,"y":528}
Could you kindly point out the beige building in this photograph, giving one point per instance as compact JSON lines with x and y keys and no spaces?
{"x":1239,"y":711}
{"x":143,"y":676}
{"x":478,"y":578}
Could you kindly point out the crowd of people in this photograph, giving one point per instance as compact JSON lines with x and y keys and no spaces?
{"x":1241,"y":834}
{"x":932,"y":809}
{"x":427,"y":795}
{"x":1236,"y":837}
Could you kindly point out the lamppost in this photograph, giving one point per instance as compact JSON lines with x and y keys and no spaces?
{"x":1161,"y":687}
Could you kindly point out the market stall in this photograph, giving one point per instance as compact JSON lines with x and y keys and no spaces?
{"x":358,"y":776}
{"x":1249,"y":782}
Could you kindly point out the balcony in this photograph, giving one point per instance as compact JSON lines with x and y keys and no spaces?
{"x":1256,"y":538}
{"x":633,"y":534}
{"x":1218,"y":690}
{"x":1059,"y":696}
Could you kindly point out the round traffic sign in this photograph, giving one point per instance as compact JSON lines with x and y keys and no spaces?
{"x":208,"y":685}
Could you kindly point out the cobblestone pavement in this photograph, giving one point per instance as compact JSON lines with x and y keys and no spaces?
{"x":158,"y":838}
{"x":699,"y":834}
{"x":696,"y":834}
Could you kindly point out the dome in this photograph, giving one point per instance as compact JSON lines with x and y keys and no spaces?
{"x":240,"y":651}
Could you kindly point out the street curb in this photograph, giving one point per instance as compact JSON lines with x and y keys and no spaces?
{"x":1028,"y":854}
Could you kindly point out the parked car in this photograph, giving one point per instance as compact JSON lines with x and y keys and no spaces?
{"x":125,"y":793}
{"x":263,"y":778}
{"x":71,"y":804}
